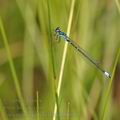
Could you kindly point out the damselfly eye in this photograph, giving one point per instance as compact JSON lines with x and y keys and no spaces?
{"x":57,"y":29}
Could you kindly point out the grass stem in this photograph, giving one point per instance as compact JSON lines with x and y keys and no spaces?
{"x":2,"y":111}
{"x":64,"y":56}
{"x":118,"y":5}
{"x":13,"y":71}
{"x":38,"y":109}
{"x":109,"y":87}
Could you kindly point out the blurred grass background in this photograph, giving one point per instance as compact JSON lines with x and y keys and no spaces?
{"x":30,"y":60}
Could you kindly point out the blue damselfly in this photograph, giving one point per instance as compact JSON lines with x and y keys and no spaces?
{"x":61,"y":34}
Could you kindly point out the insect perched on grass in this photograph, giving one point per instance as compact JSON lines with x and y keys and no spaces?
{"x":61,"y":34}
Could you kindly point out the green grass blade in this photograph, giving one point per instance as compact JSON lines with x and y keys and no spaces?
{"x":52,"y":62}
{"x":19,"y":94}
{"x":2,"y":111}
{"x":118,"y":5}
{"x":68,"y":111}
{"x":50,"y":41}
{"x":109,"y":88}
{"x":64,"y":56}
{"x":38,"y":109}
{"x":57,"y":103}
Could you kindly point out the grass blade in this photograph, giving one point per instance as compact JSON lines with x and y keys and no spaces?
{"x":64,"y":56}
{"x":2,"y":111}
{"x":118,"y":5}
{"x":19,"y":94}
{"x":109,"y":88}
{"x":38,"y":109}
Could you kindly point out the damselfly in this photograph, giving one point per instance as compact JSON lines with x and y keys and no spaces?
{"x":59,"y":33}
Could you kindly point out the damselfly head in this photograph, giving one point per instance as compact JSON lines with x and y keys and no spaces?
{"x":57,"y":29}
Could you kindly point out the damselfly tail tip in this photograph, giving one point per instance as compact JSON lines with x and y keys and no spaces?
{"x":107,"y":74}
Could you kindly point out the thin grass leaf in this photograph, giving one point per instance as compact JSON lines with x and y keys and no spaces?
{"x":50,"y":41}
{"x":2,"y":111}
{"x":64,"y":56}
{"x":38,"y":109}
{"x":52,"y":62}
{"x":109,"y":87}
{"x":58,"y":108}
{"x":118,"y":5}
{"x":28,"y":63}
{"x":13,"y":71}
{"x":68,"y":111}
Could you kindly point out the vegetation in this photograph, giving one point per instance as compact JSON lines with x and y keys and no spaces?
{"x":42,"y":78}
